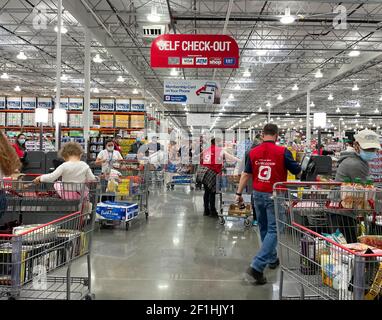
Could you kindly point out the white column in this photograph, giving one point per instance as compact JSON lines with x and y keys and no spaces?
{"x":86,"y":118}
{"x":308,"y":135}
{"x":58,"y":70}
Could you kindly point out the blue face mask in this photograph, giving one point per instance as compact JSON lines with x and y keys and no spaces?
{"x":367,"y":155}
{"x":138,"y":139}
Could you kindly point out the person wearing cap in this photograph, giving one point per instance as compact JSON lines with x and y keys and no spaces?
{"x":354,"y":165}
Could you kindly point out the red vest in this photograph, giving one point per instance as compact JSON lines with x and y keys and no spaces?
{"x":268,"y":166}
{"x":212,"y":158}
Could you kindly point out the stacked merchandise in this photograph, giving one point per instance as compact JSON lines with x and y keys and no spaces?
{"x":137,"y":121}
{"x":2,"y":119}
{"x":96,"y":144}
{"x":79,"y":138}
{"x":48,"y":254}
{"x":376,"y":167}
{"x":14,"y":119}
{"x":28,"y":119}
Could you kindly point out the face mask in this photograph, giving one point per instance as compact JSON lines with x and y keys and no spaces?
{"x":21,"y":141}
{"x":367,"y":155}
{"x":110,"y":148}
{"x":138,"y":139}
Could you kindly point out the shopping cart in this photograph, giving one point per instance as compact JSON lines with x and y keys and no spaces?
{"x":29,"y":203}
{"x":182,"y":175}
{"x":227,"y":186}
{"x":329,"y":239}
{"x":125,"y":195}
{"x":33,"y":258}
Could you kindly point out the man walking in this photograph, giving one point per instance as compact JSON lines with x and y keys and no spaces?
{"x":267,"y":164}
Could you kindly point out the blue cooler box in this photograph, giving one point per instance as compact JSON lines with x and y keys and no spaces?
{"x":110,"y":210}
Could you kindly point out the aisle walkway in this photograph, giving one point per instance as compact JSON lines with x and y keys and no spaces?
{"x":178,"y":254}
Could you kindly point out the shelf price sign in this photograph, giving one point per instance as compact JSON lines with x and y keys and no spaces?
{"x":194,"y":51}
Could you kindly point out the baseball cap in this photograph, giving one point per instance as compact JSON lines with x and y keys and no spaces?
{"x":368,"y":139}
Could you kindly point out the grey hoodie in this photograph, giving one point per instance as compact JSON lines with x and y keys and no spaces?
{"x":351,"y":166}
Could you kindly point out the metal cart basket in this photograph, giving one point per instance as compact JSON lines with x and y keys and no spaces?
{"x":33,"y":256}
{"x":329,"y":239}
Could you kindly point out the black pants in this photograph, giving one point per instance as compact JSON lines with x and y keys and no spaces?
{"x":209,"y":200}
{"x":253,"y":207}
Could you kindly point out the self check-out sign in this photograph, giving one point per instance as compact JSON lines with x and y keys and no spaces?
{"x":194,"y":51}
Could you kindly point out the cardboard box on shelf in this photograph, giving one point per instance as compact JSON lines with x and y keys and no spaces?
{"x":137,"y":121}
{"x":122,"y":121}
{"x":107,"y":120}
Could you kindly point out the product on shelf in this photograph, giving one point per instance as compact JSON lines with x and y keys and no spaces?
{"x":75,"y":120}
{"x":137,"y":121}
{"x":14,"y":103}
{"x":122,"y":105}
{"x":2,"y":102}
{"x":122,"y":121}
{"x":29,"y":103}
{"x":14,"y":119}
{"x":107,"y":120}
{"x":94,"y":104}
{"x":76,"y":104}
{"x":137,"y":105}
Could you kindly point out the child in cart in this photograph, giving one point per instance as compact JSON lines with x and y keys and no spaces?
{"x":73,"y":170}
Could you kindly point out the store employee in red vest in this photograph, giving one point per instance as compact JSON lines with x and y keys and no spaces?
{"x":268,"y":164}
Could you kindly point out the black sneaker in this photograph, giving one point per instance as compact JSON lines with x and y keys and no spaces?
{"x":274,"y":265}
{"x":258,"y":276}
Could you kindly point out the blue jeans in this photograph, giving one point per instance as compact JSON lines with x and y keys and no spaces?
{"x":265,"y":212}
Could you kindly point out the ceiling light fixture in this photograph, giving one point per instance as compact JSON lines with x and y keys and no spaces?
{"x":261,"y":52}
{"x":354,"y":53}
{"x":268,"y":104}
{"x":63,"y":29}
{"x":231,"y":96}
{"x":135,"y":91}
{"x":246,"y":74}
{"x":64,"y":77}
{"x":153,"y":16}
{"x":237,"y":87}
{"x":279,"y":97}
{"x":357,"y":115}
{"x":318,"y":74}
{"x":17,"y":88}
{"x":312,"y":105}
{"x":338,"y":110}
{"x":298,"y":110}
{"x":120,"y":79}
{"x":330,"y":97}
{"x":260,"y":110}
{"x":97,"y":58}
{"x":21,"y":56}
{"x":4,"y":76}
{"x":287,"y":18}
{"x":174,"y":72}
{"x":357,"y":105}
{"x":95,"y":90}
{"x":295,"y":87}
{"x":376,"y":110}
{"x":355,"y":87}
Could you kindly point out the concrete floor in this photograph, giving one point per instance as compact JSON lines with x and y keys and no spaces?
{"x":178,"y":254}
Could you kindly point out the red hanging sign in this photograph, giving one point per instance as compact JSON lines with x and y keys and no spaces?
{"x":194,"y":51}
